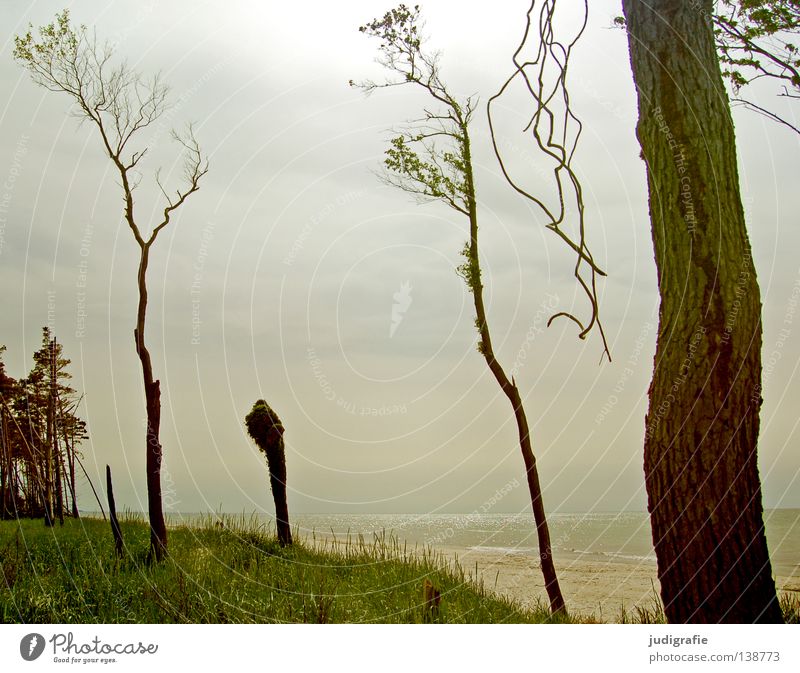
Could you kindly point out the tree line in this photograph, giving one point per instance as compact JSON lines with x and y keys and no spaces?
{"x":40,"y":436}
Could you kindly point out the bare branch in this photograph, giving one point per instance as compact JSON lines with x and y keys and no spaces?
{"x":556,"y":136}
{"x":194,"y":168}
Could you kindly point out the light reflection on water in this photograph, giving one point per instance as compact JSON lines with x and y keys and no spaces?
{"x":621,"y":536}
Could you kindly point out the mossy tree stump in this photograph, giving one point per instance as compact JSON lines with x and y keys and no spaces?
{"x":266,"y":429}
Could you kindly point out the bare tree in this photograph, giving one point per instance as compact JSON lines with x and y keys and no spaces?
{"x":432,"y":160}
{"x":120,"y":104}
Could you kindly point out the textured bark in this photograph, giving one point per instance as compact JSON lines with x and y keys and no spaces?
{"x":266,"y":429}
{"x":48,"y":457}
{"x":70,"y":449}
{"x":59,"y":487}
{"x":277,"y":480}
{"x":704,"y":493}
{"x":59,"y":495}
{"x":152,"y":394}
{"x":5,"y":466}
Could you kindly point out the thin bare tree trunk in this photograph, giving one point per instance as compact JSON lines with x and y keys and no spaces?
{"x":94,"y":490}
{"x":509,"y":388}
{"x":5,"y":473}
{"x":152,"y":392}
{"x":70,"y":449}
{"x":59,"y":495}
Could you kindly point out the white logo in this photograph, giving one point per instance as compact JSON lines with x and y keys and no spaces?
{"x":402,"y":300}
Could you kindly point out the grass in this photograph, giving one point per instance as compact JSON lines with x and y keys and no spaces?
{"x":233,"y":571}
{"x":654,"y":612}
{"x":229,"y":571}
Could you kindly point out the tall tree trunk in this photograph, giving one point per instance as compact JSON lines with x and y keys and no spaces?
{"x":5,"y":464}
{"x":277,"y":479}
{"x":59,"y":494}
{"x":511,"y":391}
{"x":48,"y":460}
{"x":70,"y":448}
{"x":152,"y":393}
{"x":704,"y":493}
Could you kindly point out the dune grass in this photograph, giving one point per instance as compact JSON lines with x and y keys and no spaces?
{"x":229,"y":570}
{"x":654,"y":612}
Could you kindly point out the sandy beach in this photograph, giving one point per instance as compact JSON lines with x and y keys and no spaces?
{"x":592,"y":588}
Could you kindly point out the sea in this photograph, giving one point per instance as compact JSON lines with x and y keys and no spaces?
{"x":620,"y":536}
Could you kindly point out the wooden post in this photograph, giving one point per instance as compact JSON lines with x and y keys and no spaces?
{"x":119,"y":545}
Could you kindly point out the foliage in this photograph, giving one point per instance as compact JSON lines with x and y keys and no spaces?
{"x":755,"y":39}
{"x":25,"y":438}
{"x":68,"y":59}
{"x":263,"y":425}
{"x":431,"y":157}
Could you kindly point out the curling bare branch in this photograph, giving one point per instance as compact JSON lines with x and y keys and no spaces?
{"x":555,"y":130}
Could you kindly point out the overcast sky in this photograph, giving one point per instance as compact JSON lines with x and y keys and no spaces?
{"x":278,"y":278}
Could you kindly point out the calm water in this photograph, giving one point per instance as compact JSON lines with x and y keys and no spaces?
{"x":621,"y":536}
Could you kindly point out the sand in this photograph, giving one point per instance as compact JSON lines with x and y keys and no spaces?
{"x":598,"y":589}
